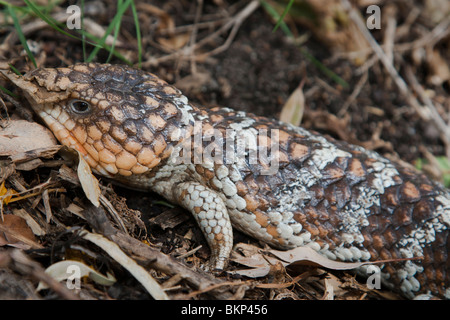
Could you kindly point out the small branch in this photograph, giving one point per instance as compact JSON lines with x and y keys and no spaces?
{"x":154,"y":258}
{"x":439,"y":32}
{"x":443,"y":128}
{"x":20,"y":262}
{"x":429,"y":111}
{"x":361,"y":82}
{"x":232,"y":23}
{"x":193,"y":38}
{"x":389,"y":35}
{"x":140,"y":274}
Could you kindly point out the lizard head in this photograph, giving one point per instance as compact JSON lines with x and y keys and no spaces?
{"x":119,"y":118}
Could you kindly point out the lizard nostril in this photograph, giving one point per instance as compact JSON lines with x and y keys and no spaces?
{"x":79,"y":106}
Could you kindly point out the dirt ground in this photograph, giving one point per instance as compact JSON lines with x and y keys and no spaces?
{"x":395,"y":101}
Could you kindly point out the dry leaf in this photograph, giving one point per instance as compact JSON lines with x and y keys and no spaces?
{"x":75,"y":210}
{"x":34,"y":226}
{"x":260,"y":261}
{"x":175,"y":42}
{"x":20,"y":136}
{"x":308,"y":256}
{"x":29,"y":165}
{"x":438,"y":68}
{"x":329,"y":290}
{"x":66,"y":269}
{"x":292,"y":111}
{"x":252,"y":257}
{"x":6,"y":194}
{"x":15,"y":232}
{"x":194,"y":83}
{"x":165,"y":20}
{"x":136,"y":270}
{"x":89,"y":183}
{"x":334,"y":284}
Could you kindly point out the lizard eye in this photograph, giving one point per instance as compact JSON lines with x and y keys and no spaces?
{"x":80,"y":106}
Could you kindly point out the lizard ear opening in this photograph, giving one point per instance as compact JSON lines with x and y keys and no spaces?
{"x":80,"y":106}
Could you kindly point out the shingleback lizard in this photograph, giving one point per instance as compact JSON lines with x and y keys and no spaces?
{"x":347,"y":203}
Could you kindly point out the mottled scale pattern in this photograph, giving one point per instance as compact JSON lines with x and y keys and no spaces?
{"x":345,"y":202}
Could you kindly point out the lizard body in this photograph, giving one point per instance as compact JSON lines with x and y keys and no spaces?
{"x":278,"y":183}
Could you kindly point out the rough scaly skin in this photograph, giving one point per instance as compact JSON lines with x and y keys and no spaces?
{"x":347,"y":203}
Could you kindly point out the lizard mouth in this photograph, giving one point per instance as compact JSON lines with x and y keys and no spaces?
{"x":46,"y":103}
{"x":58,"y":121}
{"x":103,"y":142}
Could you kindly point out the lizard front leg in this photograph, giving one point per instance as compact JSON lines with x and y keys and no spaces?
{"x":211,"y":214}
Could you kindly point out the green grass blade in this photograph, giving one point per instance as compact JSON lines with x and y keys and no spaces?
{"x":281,"y":19}
{"x":284,"y":27}
{"x":116,"y":34}
{"x":98,"y":43}
{"x":271,"y":10}
{"x":48,"y":19}
{"x":83,"y":36}
{"x":14,"y":69}
{"x":319,"y":65}
{"x":22,"y":38}
{"x":106,"y":47}
{"x":138,"y":33}
{"x":12,"y":94}
{"x":101,"y":44}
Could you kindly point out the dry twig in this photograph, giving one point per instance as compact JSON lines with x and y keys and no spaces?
{"x":426,"y":113}
{"x":21,"y":263}
{"x":189,"y":51}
